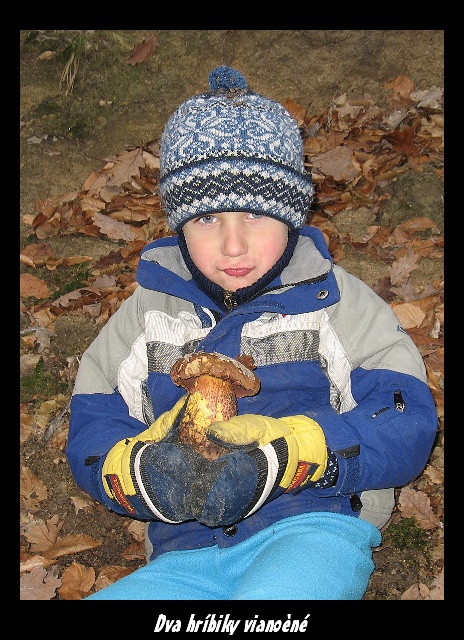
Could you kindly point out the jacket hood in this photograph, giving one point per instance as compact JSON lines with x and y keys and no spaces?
{"x":162,"y":268}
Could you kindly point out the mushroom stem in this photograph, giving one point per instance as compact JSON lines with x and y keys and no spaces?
{"x":210,"y":400}
{"x":214,"y":382}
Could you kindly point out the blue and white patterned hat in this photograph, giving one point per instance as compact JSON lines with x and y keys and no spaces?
{"x":233,"y":150}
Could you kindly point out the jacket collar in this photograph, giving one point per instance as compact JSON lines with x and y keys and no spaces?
{"x":163,"y":268}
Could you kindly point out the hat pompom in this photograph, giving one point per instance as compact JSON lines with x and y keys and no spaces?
{"x":227,"y":79}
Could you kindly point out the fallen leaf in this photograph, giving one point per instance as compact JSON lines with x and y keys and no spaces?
{"x":401,"y":85}
{"x":30,"y":286}
{"x":137,"y":530}
{"x":126,"y":166}
{"x":113,"y":229}
{"x":296,"y":110}
{"x":143,"y":50}
{"x":336,"y":163}
{"x":41,"y":535}
{"x":32,"y":490}
{"x":435,"y":475}
{"x":81,"y":503}
{"x":408,"y":313}
{"x":437,"y":591}
{"x":421,"y":591}
{"x":38,"y":584}
{"x":28,"y":362}
{"x":135,"y":551}
{"x":46,"y":55}
{"x":33,"y":562}
{"x":401,"y":269}
{"x":27,"y":426}
{"x":418,"y":224}
{"x":73,"y":543}
{"x":77,"y":582}
{"x":416,"y":504}
{"x":110,"y":574}
{"x":429,"y":98}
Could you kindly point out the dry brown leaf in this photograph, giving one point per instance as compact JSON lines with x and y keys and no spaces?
{"x":32,"y":491}
{"x":137,"y":530}
{"x":105,"y":281}
{"x":135,"y":551}
{"x":30,"y":286}
{"x":428,"y":98}
{"x":127,"y":164}
{"x":38,"y":253}
{"x":408,"y":313}
{"x":437,"y":591}
{"x":418,"y":224}
{"x":416,"y":504}
{"x":77,"y":581}
{"x":81,"y":503}
{"x":436,"y":361}
{"x":405,"y":291}
{"x":401,"y":269}
{"x":66,"y":299}
{"x":47,"y":228}
{"x":73,"y":543}
{"x":296,"y":110}
{"x":32,"y":562}
{"x":412,"y":593}
{"x":113,"y":229}
{"x":436,"y":475}
{"x":128,"y":215}
{"x":336,"y":163}
{"x":28,"y":362}
{"x":401,"y":85}
{"x":48,"y":409}
{"x":27,"y":426}
{"x":421,"y":591}
{"x":143,"y":50}
{"x":110,"y":574}
{"x":38,"y":584}
{"x":41,"y":535}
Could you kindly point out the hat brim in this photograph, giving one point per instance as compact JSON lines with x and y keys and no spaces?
{"x":236,"y":184}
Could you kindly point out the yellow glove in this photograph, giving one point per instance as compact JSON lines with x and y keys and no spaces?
{"x":135,"y":470}
{"x":305,"y":455}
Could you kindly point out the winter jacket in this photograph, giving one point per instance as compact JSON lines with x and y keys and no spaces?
{"x":324,"y":345}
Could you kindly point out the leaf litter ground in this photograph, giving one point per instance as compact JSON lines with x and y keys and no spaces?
{"x":378,"y":173}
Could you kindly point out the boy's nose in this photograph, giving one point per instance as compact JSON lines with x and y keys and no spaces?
{"x":234,"y":242}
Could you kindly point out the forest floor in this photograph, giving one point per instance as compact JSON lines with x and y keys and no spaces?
{"x":88,"y":100}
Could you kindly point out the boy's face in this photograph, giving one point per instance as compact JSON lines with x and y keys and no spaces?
{"x":234,"y":249}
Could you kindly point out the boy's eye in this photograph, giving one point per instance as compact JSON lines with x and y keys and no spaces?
{"x":207,"y":219}
{"x":256,"y":215}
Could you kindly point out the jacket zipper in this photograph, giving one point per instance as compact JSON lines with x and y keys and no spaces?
{"x":229,"y":300}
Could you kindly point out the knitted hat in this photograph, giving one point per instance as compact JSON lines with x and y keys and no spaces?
{"x":233,"y":150}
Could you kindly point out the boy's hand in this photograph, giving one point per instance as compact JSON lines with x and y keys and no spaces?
{"x":167,"y":424}
{"x":268,"y":457}
{"x":147,"y":476}
{"x":151,"y":481}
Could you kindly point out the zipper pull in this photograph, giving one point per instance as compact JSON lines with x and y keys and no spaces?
{"x":229,"y":300}
{"x":399,"y":402}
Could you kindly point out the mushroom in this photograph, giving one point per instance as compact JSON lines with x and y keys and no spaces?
{"x":214,"y":382}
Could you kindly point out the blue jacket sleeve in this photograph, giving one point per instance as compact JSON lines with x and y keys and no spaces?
{"x":386,"y":440}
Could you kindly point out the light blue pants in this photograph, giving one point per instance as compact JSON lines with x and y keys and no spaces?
{"x":313,"y":556}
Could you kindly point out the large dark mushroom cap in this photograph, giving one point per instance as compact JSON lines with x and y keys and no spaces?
{"x":243,"y":380}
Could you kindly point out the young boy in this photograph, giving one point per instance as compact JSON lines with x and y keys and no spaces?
{"x":344,"y":414}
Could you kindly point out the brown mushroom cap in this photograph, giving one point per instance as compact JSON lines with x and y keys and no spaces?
{"x":243,"y":380}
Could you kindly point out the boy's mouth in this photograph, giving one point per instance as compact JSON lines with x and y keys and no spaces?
{"x":238,"y":272}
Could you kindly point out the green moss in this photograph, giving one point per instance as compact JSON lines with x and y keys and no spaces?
{"x":41,"y":383}
{"x":407,"y":534}
{"x":76,"y":277}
